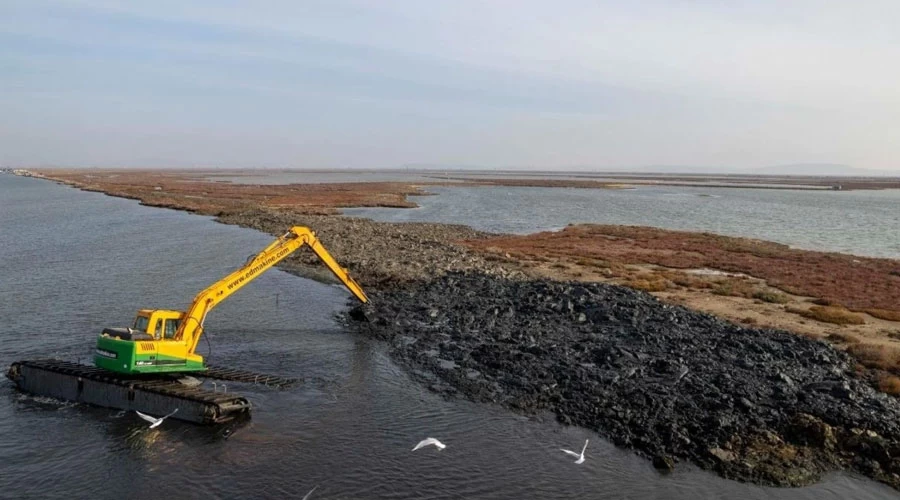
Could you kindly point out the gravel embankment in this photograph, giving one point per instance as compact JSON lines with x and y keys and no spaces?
{"x":756,"y":405}
{"x":379,"y":254}
{"x":752,"y":404}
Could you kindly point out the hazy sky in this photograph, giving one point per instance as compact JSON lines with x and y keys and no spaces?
{"x":495,"y":83}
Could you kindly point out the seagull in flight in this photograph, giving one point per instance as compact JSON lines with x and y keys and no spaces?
{"x":429,"y":441}
{"x":155,"y":422}
{"x":581,"y":456}
{"x":306,"y":496}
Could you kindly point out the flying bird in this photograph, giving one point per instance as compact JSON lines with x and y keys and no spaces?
{"x":306,"y":496}
{"x":429,"y":441}
{"x":155,"y":422}
{"x":579,"y":456}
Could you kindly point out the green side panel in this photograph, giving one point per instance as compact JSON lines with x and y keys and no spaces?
{"x":114,"y":355}
{"x":121,"y":356}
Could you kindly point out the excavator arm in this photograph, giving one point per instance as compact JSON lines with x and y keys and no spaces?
{"x":151,"y":347}
{"x":191,"y":327}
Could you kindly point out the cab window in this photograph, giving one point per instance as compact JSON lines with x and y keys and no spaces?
{"x":171,"y":327}
{"x":140,"y":323}
{"x":158,"y":329}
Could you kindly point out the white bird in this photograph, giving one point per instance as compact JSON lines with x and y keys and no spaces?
{"x":429,"y":441}
{"x":306,"y":496}
{"x":579,"y":456}
{"x":154,"y":422}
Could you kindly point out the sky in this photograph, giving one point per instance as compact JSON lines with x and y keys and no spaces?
{"x":495,"y":84}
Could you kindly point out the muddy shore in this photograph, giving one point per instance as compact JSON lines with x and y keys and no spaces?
{"x":604,"y":357}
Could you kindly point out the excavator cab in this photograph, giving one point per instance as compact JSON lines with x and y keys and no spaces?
{"x":161,"y":324}
{"x":149,"y":346}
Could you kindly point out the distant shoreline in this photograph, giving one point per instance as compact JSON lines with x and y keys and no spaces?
{"x":512,"y":178}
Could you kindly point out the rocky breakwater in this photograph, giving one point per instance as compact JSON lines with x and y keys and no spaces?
{"x":379,"y":254}
{"x":751,"y":404}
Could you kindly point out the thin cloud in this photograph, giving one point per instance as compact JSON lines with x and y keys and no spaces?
{"x":349,"y":83}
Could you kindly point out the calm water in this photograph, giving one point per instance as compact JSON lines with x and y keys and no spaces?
{"x":74,"y":262}
{"x":858,"y":222}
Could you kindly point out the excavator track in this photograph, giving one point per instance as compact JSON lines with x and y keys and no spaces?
{"x":155,"y":395}
{"x":218,"y":373}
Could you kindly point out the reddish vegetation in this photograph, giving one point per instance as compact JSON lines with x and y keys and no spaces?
{"x":190,"y":191}
{"x":858,"y":283}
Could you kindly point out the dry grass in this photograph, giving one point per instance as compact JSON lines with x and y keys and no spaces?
{"x":883,"y":314}
{"x":771,"y":297}
{"x":648,"y":283}
{"x":492,"y":257}
{"x":734,"y":288}
{"x":842,"y":338}
{"x":877,"y":356}
{"x":687,"y":280}
{"x":597,"y":263}
{"x":830,"y":314}
{"x":889,"y":384}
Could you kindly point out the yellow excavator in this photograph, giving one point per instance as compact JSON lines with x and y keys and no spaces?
{"x":162,"y":341}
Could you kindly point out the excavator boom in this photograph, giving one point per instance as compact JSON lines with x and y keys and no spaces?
{"x":152,"y":348}
{"x":192,"y":326}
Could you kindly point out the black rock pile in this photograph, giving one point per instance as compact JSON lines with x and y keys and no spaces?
{"x":753,"y":404}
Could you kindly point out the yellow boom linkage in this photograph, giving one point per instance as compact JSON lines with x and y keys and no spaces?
{"x":165,"y":341}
